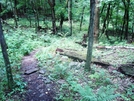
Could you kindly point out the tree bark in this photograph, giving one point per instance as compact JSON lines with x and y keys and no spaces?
{"x":96,"y":22}
{"x":70,"y":16}
{"x":6,"y":59}
{"x":15,"y":13}
{"x":52,"y":5}
{"x":106,"y":21}
{"x":90,"y":38}
{"x":127,"y":20}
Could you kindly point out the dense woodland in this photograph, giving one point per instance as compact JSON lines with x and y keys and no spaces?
{"x":83,"y":49}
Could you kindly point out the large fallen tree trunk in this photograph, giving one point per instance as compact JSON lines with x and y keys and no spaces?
{"x":127,"y":69}
{"x":80,"y":56}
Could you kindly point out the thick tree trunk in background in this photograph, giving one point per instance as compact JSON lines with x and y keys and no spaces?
{"x":6,"y":59}
{"x":106,"y":20}
{"x":96,"y":22}
{"x":125,"y":19}
{"x":70,"y":16}
{"x":90,"y":34}
{"x":52,"y":5}
{"x":81,"y":20}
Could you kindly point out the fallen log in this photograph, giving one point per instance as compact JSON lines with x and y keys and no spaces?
{"x":127,"y":69}
{"x":80,"y":56}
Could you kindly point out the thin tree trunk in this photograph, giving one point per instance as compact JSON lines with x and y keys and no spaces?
{"x":0,"y":7}
{"x":90,"y":34}
{"x":6,"y":59}
{"x":70,"y":16}
{"x":116,"y":22}
{"x":102,"y":8}
{"x":81,"y":20}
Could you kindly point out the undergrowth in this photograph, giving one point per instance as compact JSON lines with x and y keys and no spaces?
{"x":73,"y":82}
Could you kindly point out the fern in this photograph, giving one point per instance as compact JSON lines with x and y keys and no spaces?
{"x":106,"y":94}
{"x":103,"y":94}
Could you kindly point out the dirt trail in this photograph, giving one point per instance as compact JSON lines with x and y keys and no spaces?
{"x":37,"y":89}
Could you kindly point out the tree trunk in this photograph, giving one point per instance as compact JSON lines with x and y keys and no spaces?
{"x":106,"y":21}
{"x":125,"y":19}
{"x":81,"y":20}
{"x":90,"y":34}
{"x":0,"y":8}
{"x":52,"y":5}
{"x":15,"y":13}
{"x":61,"y":18}
{"x":6,"y":59}
{"x":61,"y":21}
{"x":70,"y":16}
{"x":96,"y":22}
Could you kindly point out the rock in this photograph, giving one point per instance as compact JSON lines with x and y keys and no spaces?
{"x":30,"y":71}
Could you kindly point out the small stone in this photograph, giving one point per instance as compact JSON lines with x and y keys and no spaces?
{"x":73,"y":64}
{"x":30,"y":71}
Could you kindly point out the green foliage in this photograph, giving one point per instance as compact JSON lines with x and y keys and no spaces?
{"x":104,"y":93}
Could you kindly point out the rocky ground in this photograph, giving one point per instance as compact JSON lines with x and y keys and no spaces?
{"x":37,"y":89}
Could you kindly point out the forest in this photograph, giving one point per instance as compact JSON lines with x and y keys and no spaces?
{"x":66,"y":50}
